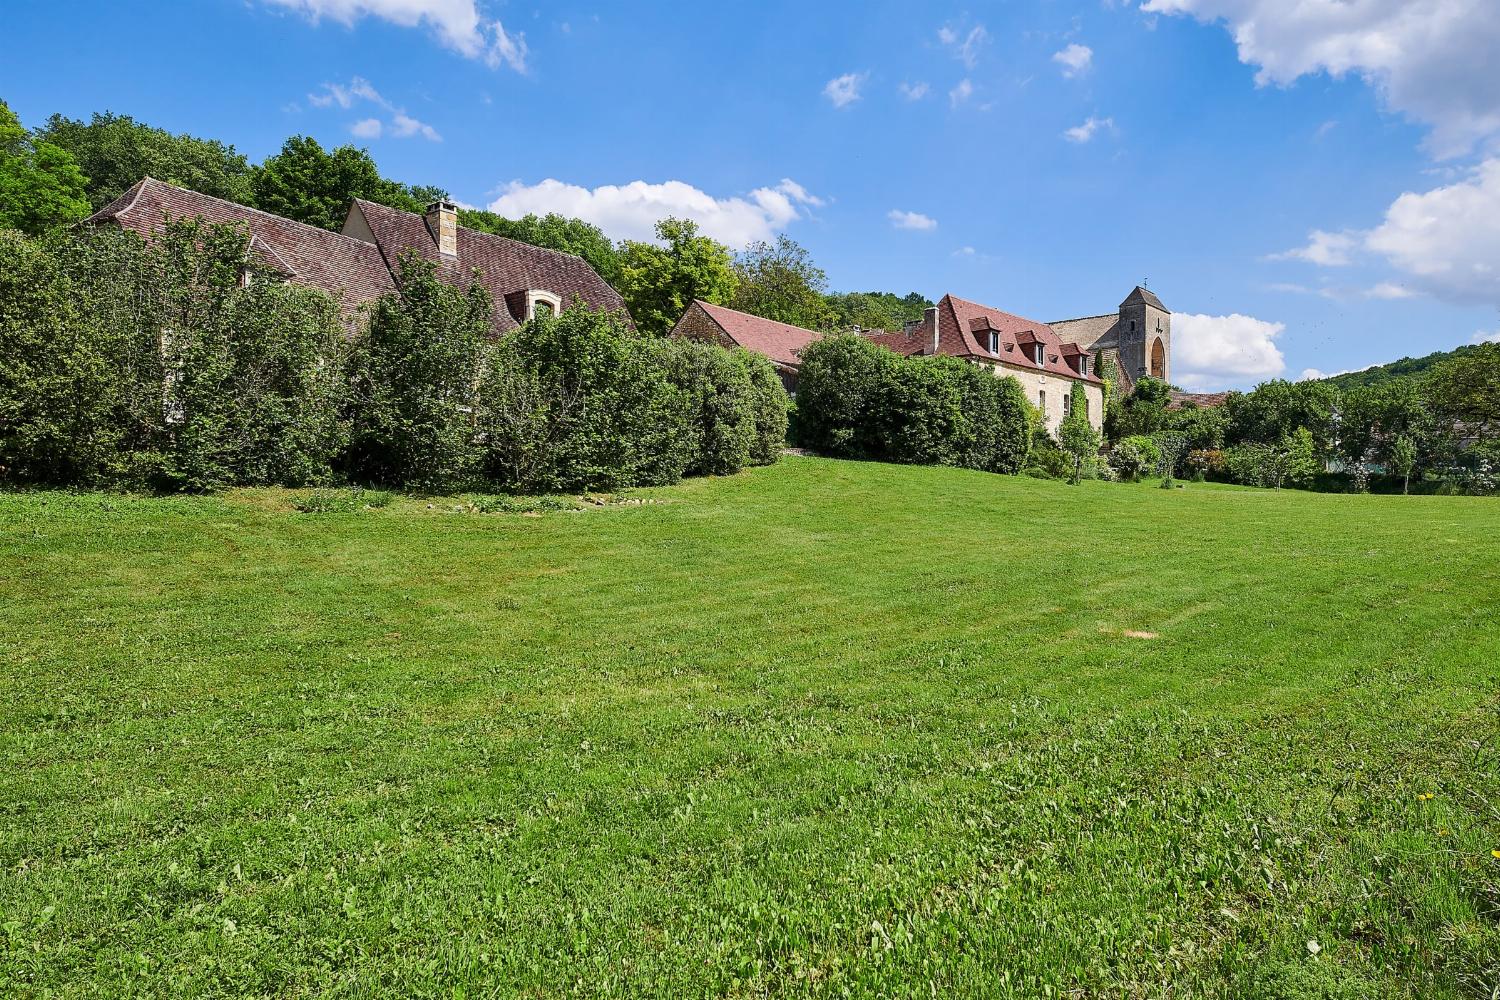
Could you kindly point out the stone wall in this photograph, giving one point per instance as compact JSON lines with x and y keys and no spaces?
{"x":1057,"y":388}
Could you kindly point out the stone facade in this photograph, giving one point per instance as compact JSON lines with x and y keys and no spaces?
{"x":1138,"y":337}
{"x":1050,"y":394}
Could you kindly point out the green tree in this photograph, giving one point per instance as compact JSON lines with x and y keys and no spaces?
{"x":876,"y":310}
{"x":40,"y":183}
{"x":554,"y":232}
{"x":415,"y":374}
{"x":115,"y":151}
{"x":1403,"y":460}
{"x":779,"y":281}
{"x":839,"y":389}
{"x":659,"y":281}
{"x":1465,"y":393}
{"x":307,"y":183}
{"x":1079,"y":441}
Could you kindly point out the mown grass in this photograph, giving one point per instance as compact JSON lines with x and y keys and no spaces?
{"x":819,"y":729}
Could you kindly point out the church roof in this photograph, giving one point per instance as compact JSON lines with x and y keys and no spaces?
{"x":1145,"y":295}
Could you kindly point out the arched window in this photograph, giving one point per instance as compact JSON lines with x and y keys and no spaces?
{"x":1158,"y":359}
{"x":542,"y":304}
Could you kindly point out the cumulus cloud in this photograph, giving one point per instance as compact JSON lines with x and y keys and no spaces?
{"x":1485,"y":337}
{"x":359,"y":90}
{"x":1323,"y":248}
{"x":1215,"y":351}
{"x":1432,"y":60}
{"x":631,"y":211}
{"x":844,"y":90}
{"x":961,"y":93}
{"x":911,"y":220}
{"x":1075,"y":60}
{"x":964,"y":45}
{"x":914,"y":91}
{"x":1444,"y":242}
{"x":1087,"y":131}
{"x":457,"y":24}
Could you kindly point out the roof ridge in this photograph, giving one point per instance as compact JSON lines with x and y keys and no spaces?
{"x":481,"y":232}
{"x":246,"y":208}
{"x":1077,"y":319}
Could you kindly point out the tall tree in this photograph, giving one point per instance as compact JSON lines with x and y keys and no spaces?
{"x":660,"y":280}
{"x":115,"y":151}
{"x":40,"y":184}
{"x":554,"y":232}
{"x":780,"y":281}
{"x":1465,"y":392}
{"x":876,"y":310}
{"x":313,"y":185}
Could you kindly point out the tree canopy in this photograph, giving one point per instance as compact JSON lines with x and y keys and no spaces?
{"x":40,"y":183}
{"x":115,"y":151}
{"x":307,"y":183}
{"x":779,"y":281}
{"x":659,"y":281}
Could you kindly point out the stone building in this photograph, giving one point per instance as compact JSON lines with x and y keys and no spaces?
{"x":780,"y":342}
{"x":361,"y":263}
{"x":1055,"y":373}
{"x":1138,"y":337}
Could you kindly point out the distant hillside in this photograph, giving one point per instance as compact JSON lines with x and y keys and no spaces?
{"x":1404,"y":368}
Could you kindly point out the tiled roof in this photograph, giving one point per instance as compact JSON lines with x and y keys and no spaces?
{"x":1091,"y":332}
{"x":507,"y":268}
{"x":959,"y":318}
{"x":781,"y":342}
{"x":1177,"y":399}
{"x":351,"y":270}
{"x":1145,"y":295}
{"x":355,"y":270}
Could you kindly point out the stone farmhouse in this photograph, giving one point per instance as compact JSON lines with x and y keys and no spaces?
{"x":361,"y":263}
{"x":1138,"y":337}
{"x":1055,"y":375}
{"x":780,"y":342}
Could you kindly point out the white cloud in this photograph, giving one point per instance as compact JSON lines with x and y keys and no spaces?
{"x":631,"y":211}
{"x":1086,"y":131}
{"x":1312,"y":375}
{"x":964,"y":252}
{"x":844,"y":90}
{"x":1481,"y":337}
{"x":1323,"y":248}
{"x":914,"y":91}
{"x":401,"y":125}
{"x":911,"y":220}
{"x":1075,"y":60}
{"x":961,"y":93}
{"x":458,"y":24}
{"x":964,"y":45}
{"x":1213,"y":351}
{"x":1432,"y":60}
{"x":1444,"y":242}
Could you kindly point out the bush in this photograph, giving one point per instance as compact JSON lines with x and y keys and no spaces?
{"x":918,"y":419}
{"x":577,"y":402}
{"x":1047,"y":459}
{"x":348,"y":501}
{"x":415,"y":372}
{"x":1206,"y":463}
{"x":719,"y":397}
{"x":770,"y":406}
{"x":1079,"y":442}
{"x":997,"y":419}
{"x":838,"y":388}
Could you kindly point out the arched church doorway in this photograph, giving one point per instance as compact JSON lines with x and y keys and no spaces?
{"x":1158,"y":359}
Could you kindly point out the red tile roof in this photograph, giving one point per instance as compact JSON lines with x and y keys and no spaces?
{"x":1176,"y":399}
{"x":351,"y":270}
{"x":781,"y":342}
{"x":963,"y":329}
{"x":355,"y":271}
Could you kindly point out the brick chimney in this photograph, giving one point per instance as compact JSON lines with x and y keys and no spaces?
{"x":442,"y":221}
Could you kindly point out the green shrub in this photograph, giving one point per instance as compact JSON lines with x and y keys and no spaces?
{"x":997,"y":421}
{"x":917,"y":418}
{"x":499,"y":503}
{"x":716,"y":389}
{"x":770,"y":406}
{"x":343,"y":501}
{"x":415,"y":371}
{"x":577,"y":402}
{"x":838,"y":388}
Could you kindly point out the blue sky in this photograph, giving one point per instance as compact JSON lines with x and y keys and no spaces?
{"x":1308,"y":184}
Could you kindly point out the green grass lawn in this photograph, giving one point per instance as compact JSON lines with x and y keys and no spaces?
{"x":825,"y":728}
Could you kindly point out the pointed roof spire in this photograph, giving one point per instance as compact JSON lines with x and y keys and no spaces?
{"x":1144,"y":295}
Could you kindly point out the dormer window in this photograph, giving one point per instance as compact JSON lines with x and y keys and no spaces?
{"x":542,"y":305}
{"x":994,"y":342}
{"x":1040,"y":356}
{"x":1083,"y":365}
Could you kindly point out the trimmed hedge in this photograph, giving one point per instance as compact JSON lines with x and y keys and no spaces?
{"x":856,"y":399}
{"x":158,"y":365}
